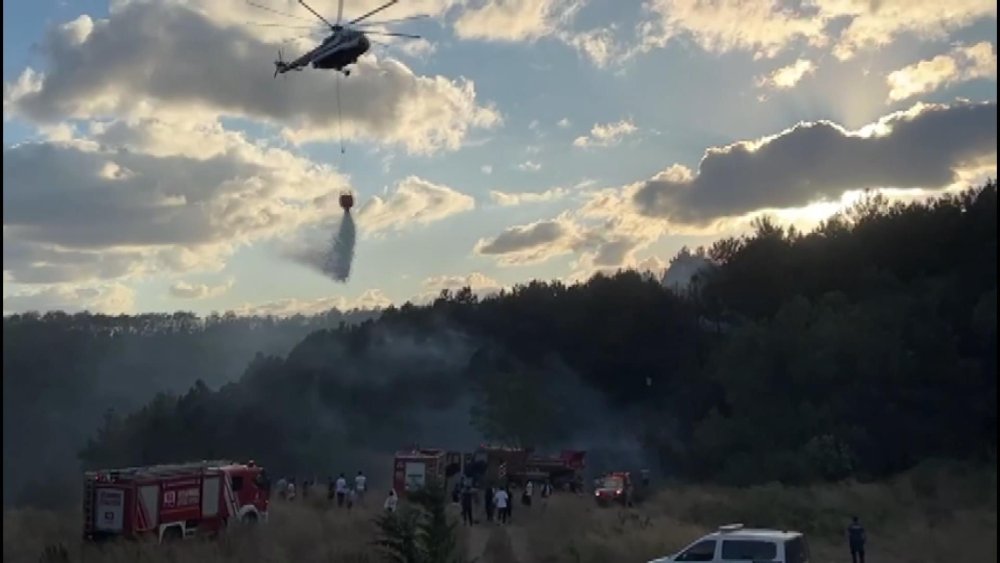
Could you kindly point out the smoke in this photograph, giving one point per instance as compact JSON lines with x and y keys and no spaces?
{"x":337,"y":263}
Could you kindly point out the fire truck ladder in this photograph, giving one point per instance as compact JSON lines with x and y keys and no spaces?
{"x":165,"y":470}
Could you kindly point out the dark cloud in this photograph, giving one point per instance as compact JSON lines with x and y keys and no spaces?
{"x":924,"y":149}
{"x":522,"y":238}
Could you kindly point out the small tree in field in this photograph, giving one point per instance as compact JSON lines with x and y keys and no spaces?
{"x":419,"y":532}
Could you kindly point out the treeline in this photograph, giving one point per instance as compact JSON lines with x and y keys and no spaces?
{"x":857,"y":349}
{"x":61,"y":373}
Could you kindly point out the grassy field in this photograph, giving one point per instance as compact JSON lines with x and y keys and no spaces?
{"x":931,"y":514}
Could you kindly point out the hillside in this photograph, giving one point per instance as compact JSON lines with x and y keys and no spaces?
{"x":856,"y":350}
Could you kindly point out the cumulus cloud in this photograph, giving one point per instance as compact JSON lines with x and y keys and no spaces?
{"x":606,"y":134}
{"x":372,"y":299}
{"x":486,"y":169}
{"x":876,"y":24}
{"x":414,"y":200}
{"x":564,"y":123}
{"x":111,"y":299}
{"x":164,"y":58}
{"x":767,"y":27}
{"x":185,"y":290}
{"x":529,"y":166}
{"x":788,"y":76}
{"x":513,"y":20}
{"x":510,"y":199}
{"x":140,"y":200}
{"x":763,"y":27}
{"x":532,"y":243}
{"x":963,"y":63}
{"x":924,"y":147}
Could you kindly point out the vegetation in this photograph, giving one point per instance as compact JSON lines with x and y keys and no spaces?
{"x":422,"y":531}
{"x":935,"y":513}
{"x":853,"y":351}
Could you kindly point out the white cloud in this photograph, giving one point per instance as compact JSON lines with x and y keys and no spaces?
{"x":514,"y":20}
{"x":111,"y":299}
{"x":529,"y":166}
{"x":480,"y":284}
{"x":876,"y":24}
{"x":371,"y":299}
{"x":140,"y":196}
{"x":963,"y":63}
{"x":486,"y":169}
{"x":768,"y":27}
{"x":598,"y":45}
{"x":605,"y":135}
{"x":185,"y":290}
{"x":206,"y":70}
{"x":508,"y":199}
{"x":788,"y":76}
{"x":414,"y":200}
{"x":763,"y":27}
{"x":564,"y":123}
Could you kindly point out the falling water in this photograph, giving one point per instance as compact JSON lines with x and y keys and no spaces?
{"x":338,"y":260}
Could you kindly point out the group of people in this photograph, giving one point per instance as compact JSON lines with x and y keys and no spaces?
{"x":497,"y":501}
{"x":337,"y":489}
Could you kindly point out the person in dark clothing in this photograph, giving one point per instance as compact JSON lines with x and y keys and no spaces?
{"x":331,"y":489}
{"x":488,"y":503}
{"x":856,"y":539}
{"x":467,"y":506}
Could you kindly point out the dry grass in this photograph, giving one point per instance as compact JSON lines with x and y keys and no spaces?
{"x":928,"y":515}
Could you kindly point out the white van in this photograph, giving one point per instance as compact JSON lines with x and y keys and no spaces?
{"x":734,"y":543}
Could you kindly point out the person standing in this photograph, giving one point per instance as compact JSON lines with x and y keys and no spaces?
{"x":488,"y":503}
{"x":467,"y":495}
{"x":391,"y":501}
{"x":341,"y":487}
{"x":501,"y":500}
{"x":856,"y":538}
{"x":360,"y":486}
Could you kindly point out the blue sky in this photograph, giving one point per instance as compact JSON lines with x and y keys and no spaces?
{"x":151,"y":162}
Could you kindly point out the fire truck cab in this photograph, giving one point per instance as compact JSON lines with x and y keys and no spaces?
{"x":170,"y":502}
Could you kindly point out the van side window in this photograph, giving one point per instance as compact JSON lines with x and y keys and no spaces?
{"x":237,"y":483}
{"x":748,"y":550}
{"x":701,"y":551}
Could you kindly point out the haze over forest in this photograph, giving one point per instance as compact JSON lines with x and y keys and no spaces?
{"x":858,"y":350}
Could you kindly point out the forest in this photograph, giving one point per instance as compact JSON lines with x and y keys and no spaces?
{"x":858,"y":350}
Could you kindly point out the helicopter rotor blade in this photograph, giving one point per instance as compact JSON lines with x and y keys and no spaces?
{"x":340,"y":11}
{"x":315,"y":13}
{"x":285,"y":25}
{"x":371,"y":13}
{"x":273,"y":11}
{"x":389,"y":34}
{"x":397,"y":20}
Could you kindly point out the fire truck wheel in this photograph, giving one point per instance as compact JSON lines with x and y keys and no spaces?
{"x":172,"y":534}
{"x":250,"y":518}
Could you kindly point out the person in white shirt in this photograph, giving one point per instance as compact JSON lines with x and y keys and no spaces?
{"x":391,"y":501}
{"x":341,"y":488}
{"x":360,"y":483}
{"x":501,"y":500}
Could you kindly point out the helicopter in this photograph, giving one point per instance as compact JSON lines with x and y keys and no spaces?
{"x":342,"y":47}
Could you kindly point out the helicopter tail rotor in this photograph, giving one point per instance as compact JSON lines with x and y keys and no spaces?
{"x":279,"y":65}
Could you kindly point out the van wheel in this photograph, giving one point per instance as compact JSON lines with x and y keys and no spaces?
{"x":249,"y":518}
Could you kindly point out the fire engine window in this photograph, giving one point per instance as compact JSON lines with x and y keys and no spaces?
{"x":237,"y":483}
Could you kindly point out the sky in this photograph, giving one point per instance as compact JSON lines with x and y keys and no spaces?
{"x":152,"y":162}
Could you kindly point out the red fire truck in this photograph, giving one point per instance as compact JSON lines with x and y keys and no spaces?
{"x":170,"y":502}
{"x":414,"y":468}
